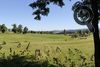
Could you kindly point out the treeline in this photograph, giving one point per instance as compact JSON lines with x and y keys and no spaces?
{"x":20,"y":29}
{"x":15,"y":29}
{"x":80,"y":33}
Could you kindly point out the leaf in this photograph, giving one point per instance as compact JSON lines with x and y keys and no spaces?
{"x":42,"y":9}
{"x":37,"y":17}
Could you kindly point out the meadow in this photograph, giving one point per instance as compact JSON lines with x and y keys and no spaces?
{"x":56,"y":48}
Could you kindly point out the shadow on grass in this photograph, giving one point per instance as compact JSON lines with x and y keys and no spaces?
{"x":74,"y":58}
{"x":19,"y":61}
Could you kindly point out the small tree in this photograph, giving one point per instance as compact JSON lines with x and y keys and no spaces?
{"x":25,"y":30}
{"x":3,"y":28}
{"x":80,"y":32}
{"x":0,"y":27}
{"x":14,"y":29}
{"x":64,"y":32}
{"x":19,"y":29}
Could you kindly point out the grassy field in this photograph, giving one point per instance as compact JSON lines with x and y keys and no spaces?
{"x":57,"y":45}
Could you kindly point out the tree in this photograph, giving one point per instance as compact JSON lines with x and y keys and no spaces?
{"x":14,"y":29}
{"x":80,"y":32}
{"x":3,"y":28}
{"x":25,"y":30}
{"x":41,"y":8}
{"x":64,"y":32}
{"x":96,"y":33}
{"x":0,"y":27}
{"x":19,"y":29}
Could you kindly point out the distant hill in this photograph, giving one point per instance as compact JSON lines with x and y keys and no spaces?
{"x":60,"y":31}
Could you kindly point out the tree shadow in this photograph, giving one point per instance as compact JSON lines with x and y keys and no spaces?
{"x":20,"y":61}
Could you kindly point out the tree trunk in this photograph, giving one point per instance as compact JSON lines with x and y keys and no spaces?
{"x":96,"y":33}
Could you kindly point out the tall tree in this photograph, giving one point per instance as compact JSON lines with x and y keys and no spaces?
{"x":25,"y":30}
{"x":14,"y":29}
{"x":0,"y":27}
{"x":3,"y":28}
{"x":64,"y":32}
{"x":19,"y":29}
{"x":95,"y":4}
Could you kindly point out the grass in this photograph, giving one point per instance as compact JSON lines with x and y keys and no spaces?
{"x":44,"y":42}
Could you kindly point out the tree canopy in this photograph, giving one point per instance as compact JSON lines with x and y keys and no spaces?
{"x":41,"y":7}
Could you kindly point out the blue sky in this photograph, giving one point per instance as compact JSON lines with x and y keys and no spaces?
{"x":18,"y":11}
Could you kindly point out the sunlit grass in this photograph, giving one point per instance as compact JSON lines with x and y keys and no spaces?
{"x":40,"y":41}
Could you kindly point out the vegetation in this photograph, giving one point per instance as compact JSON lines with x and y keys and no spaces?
{"x":19,"y":29}
{"x":15,"y":29}
{"x":41,"y":7}
{"x":25,"y":30}
{"x":3,"y":28}
{"x":46,"y":50}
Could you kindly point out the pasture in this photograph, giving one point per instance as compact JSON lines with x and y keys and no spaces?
{"x":49,"y":45}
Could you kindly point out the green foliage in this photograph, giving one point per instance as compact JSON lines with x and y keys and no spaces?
{"x":47,"y":50}
{"x":3,"y":28}
{"x":25,"y":30}
{"x":19,"y":29}
{"x":41,"y":7}
{"x":74,"y":58}
{"x":14,"y":29}
{"x":82,"y":33}
{"x":64,"y":32}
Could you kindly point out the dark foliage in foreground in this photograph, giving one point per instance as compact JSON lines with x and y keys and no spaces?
{"x":75,"y":58}
{"x":41,"y":7}
{"x":19,"y":61}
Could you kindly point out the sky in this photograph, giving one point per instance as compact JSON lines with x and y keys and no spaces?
{"x":19,"y":12}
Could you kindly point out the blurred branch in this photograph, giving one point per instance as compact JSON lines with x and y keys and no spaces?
{"x":40,"y":7}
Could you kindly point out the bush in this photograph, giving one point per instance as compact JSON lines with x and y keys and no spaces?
{"x":74,"y":58}
{"x":4,"y":43}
